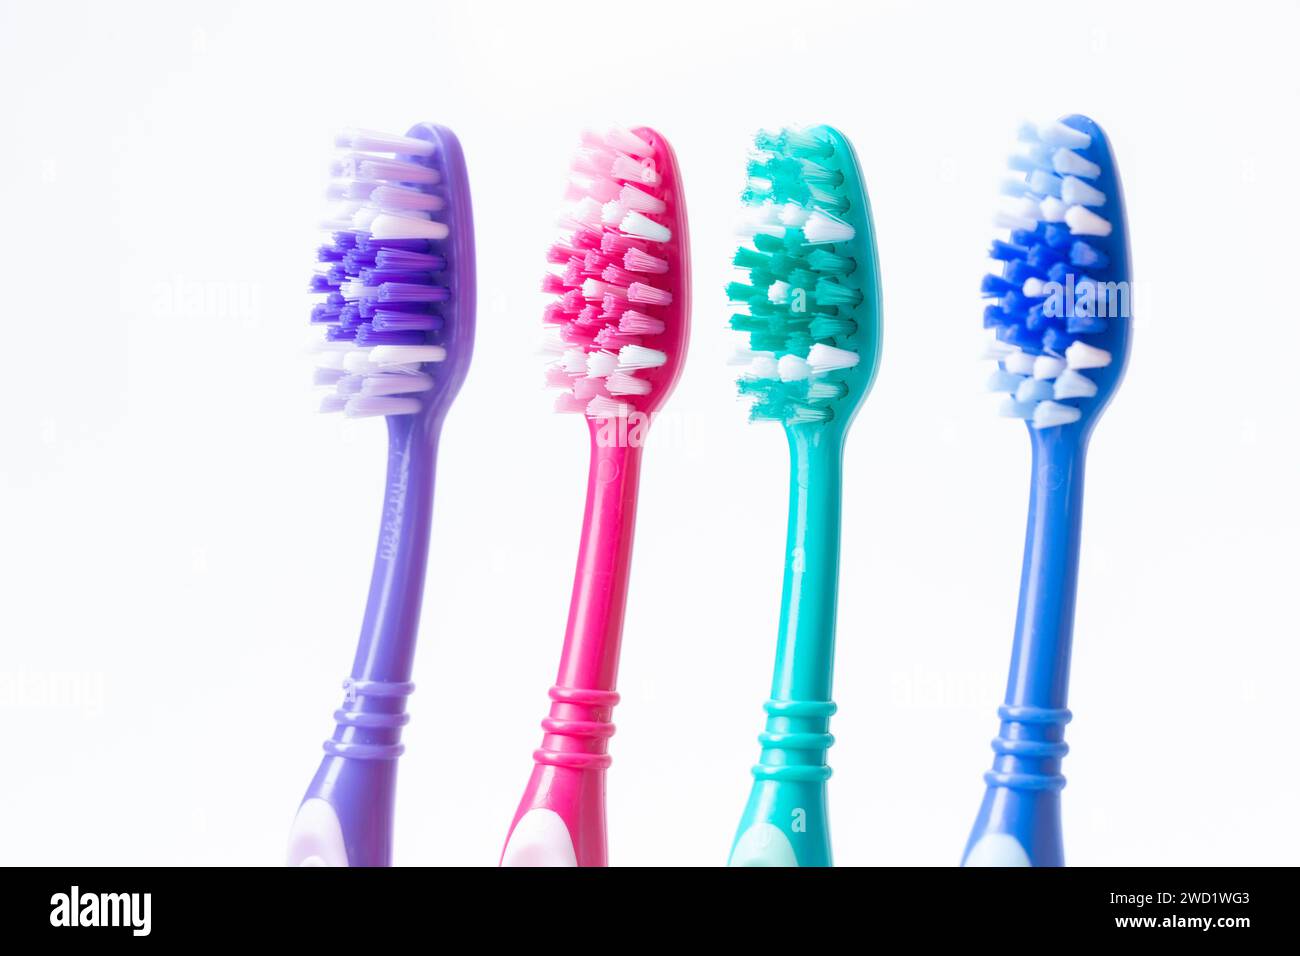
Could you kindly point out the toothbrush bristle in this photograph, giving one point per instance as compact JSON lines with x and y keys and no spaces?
{"x":805,"y":303}
{"x":1058,"y":303}
{"x":380,"y":277}
{"x":618,"y":279}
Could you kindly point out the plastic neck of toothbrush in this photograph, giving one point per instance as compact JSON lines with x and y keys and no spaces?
{"x":806,"y":640}
{"x":1040,"y":658}
{"x":591,"y":642}
{"x":387,"y":643}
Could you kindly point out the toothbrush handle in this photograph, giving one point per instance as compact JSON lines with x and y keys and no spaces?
{"x":785,"y":821}
{"x":1019,"y":822}
{"x":346,"y":817}
{"x":561,"y":818}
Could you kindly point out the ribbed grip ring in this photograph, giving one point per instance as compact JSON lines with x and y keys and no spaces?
{"x":809,"y":744}
{"x":581,"y":727}
{"x":1020,"y":739}
{"x":352,"y":716}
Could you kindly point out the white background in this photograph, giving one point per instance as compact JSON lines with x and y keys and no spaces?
{"x":185,"y":546}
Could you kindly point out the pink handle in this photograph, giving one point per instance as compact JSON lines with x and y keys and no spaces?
{"x":569,"y":776}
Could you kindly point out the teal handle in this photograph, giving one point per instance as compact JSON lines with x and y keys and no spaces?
{"x":785,"y":822}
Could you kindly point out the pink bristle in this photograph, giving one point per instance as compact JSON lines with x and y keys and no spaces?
{"x":636,"y":260}
{"x":566,"y":402}
{"x":637,"y":323}
{"x":643,"y":294}
{"x":557,"y":377}
{"x":590,"y":315}
{"x":617,"y":276}
{"x":614,"y":306}
{"x":594,"y":263}
{"x":574,"y":334}
{"x":617,"y":244}
{"x":553,"y":284}
{"x":573,"y":301}
{"x":559,"y":254}
{"x":593,"y":160}
{"x":621,"y":383}
{"x":573,"y":273}
{"x":608,"y":338}
{"x":587,"y":239}
{"x":588,"y":388}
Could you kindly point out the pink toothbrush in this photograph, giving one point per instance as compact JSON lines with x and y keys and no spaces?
{"x":619,"y":329}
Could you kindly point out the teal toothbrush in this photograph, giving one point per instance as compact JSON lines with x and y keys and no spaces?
{"x":811,"y":312}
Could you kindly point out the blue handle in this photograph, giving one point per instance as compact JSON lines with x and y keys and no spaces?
{"x":358,"y":774}
{"x":785,"y":821}
{"x":1020,"y":819}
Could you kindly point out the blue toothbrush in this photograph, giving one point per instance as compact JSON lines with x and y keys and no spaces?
{"x":1061,"y":313}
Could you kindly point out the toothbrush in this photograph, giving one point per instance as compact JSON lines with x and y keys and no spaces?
{"x":618,"y":330}
{"x":812,"y":314}
{"x":397,"y":285}
{"x":1060,"y":312}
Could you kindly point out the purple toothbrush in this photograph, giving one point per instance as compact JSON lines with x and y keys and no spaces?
{"x":396,"y":287}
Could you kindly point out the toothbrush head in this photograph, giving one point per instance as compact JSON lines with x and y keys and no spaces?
{"x":1060,"y":308}
{"x":810,"y":303}
{"x":395,"y":278}
{"x":617,"y":327}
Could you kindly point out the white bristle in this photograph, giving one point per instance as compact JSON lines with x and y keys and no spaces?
{"x":1051,"y":414}
{"x":612,"y":213}
{"x":373,"y":141}
{"x":1003,"y":381}
{"x":332,"y":403}
{"x":1057,"y":133}
{"x":628,"y":169}
{"x":996,"y":349}
{"x":1043,"y":183}
{"x":764,"y":365}
{"x":1085,"y":222}
{"x":574,"y":361}
{"x":1072,"y":384}
{"x":586,"y":212}
{"x":1052,"y":209}
{"x":388,"y":355}
{"x":366,"y":406}
{"x":1033,"y":390}
{"x":628,"y":142}
{"x":400,"y":383}
{"x":1005,"y":220}
{"x":632,"y":357}
{"x":602,"y":407}
{"x":1081,"y":355}
{"x":1075,"y":192}
{"x":600,"y":364}
{"x":778,"y":292}
{"x":823,"y":227}
{"x":622,"y":383}
{"x":600,"y":188}
{"x":357,"y":361}
{"x":793,"y":214}
{"x":640,"y":200}
{"x":1033,"y":287}
{"x":1018,"y":363}
{"x":740,"y":357}
{"x":791,"y":368}
{"x":1048,"y":366}
{"x":639,"y":225}
{"x":389,"y":226}
{"x":1069,"y":163}
{"x":1014,"y":409}
{"x":827,"y":358}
